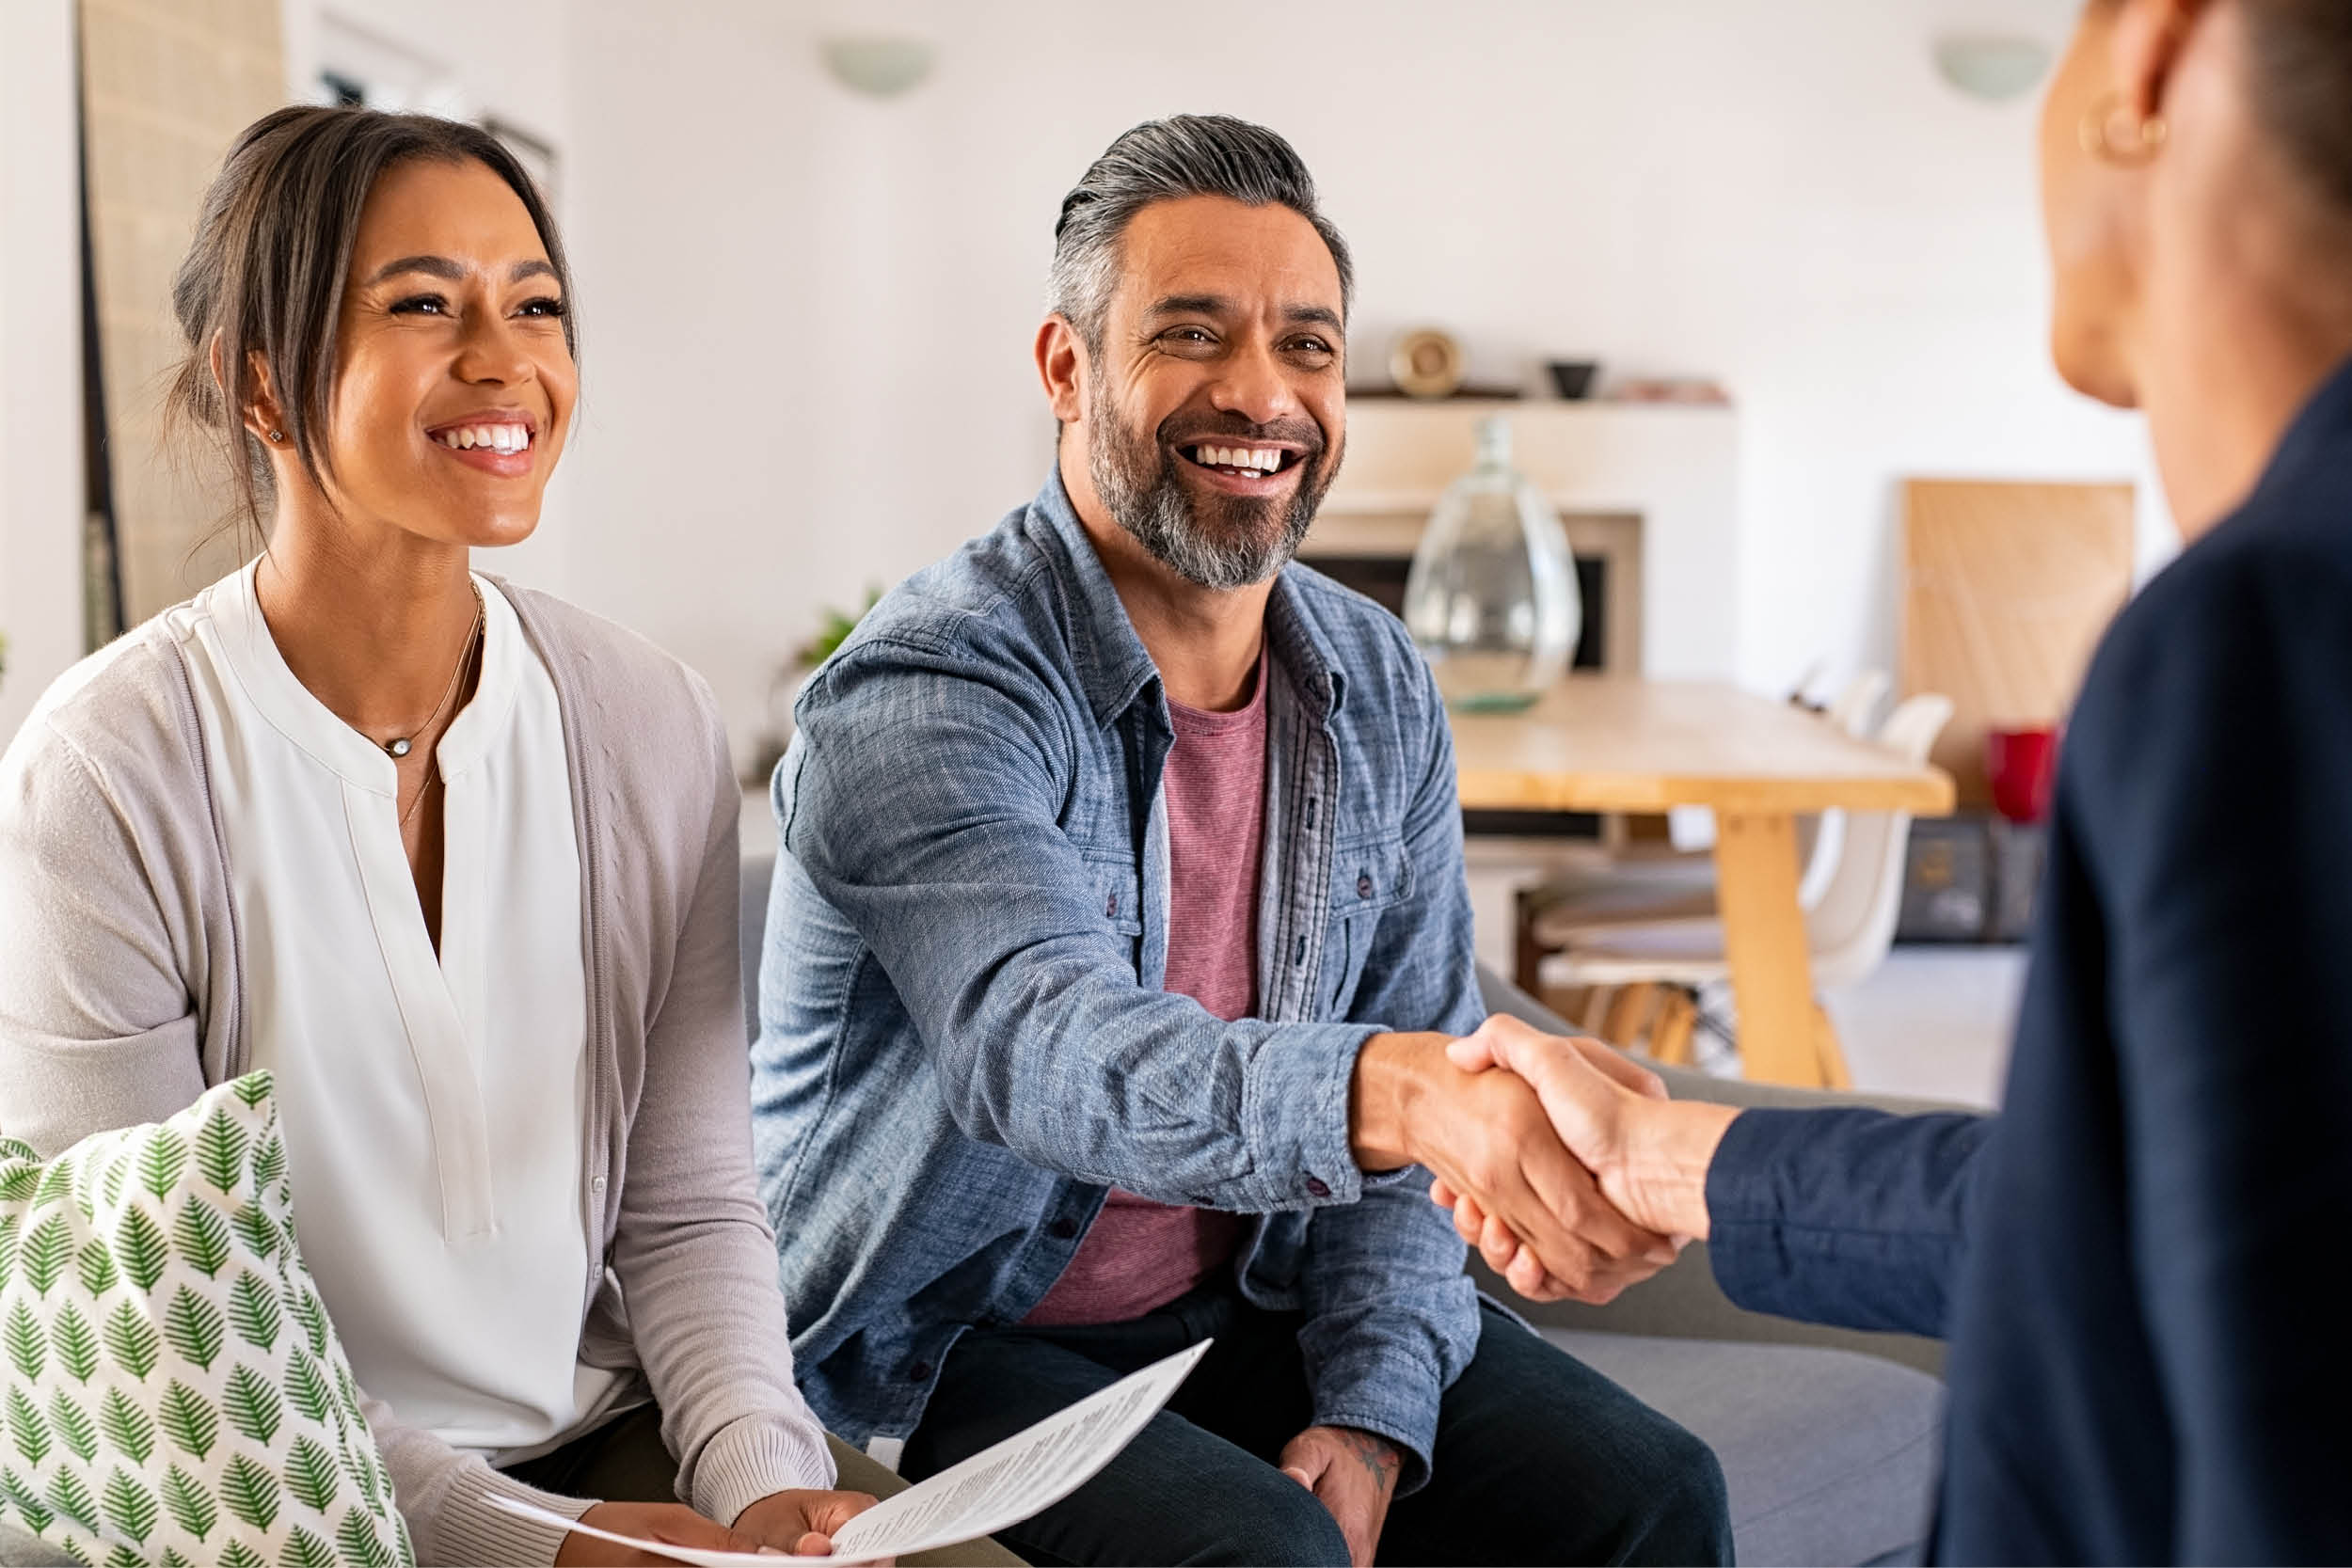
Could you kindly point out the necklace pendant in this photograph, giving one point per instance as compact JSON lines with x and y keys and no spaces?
{"x":398,"y":748}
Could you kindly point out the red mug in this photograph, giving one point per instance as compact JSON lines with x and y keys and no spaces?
{"x":2020,"y":765}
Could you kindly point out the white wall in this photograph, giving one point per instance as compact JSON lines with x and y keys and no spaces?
{"x":41,"y":353}
{"x":808,"y":314}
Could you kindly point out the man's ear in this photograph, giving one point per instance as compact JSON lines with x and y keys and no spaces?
{"x":1061,"y":365}
{"x":2149,"y":39}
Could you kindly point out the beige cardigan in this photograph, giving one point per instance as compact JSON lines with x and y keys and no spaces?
{"x":119,"y":1003}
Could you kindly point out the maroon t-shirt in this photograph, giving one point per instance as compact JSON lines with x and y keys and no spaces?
{"x":1138,"y":1255}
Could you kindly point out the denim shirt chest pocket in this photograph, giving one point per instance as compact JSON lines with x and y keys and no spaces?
{"x":1368,"y":876}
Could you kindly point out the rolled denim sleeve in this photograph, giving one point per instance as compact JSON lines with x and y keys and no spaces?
{"x":924,"y":801}
{"x":1391,"y":1319}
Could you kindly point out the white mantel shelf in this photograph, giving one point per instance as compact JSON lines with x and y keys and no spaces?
{"x":1673,"y":464}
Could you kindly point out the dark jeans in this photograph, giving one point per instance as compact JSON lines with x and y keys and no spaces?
{"x":1539,"y":1459}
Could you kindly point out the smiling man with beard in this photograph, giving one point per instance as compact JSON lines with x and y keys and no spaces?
{"x":1116,"y":942}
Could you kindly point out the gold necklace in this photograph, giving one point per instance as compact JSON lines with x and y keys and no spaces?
{"x":401,"y":745}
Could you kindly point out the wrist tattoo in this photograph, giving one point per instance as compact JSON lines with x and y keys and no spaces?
{"x":1378,"y":1455}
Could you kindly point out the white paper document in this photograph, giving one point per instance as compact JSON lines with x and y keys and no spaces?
{"x":995,"y":1489}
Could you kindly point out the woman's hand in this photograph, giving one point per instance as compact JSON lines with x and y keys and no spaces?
{"x":802,"y":1522}
{"x":674,"y":1523}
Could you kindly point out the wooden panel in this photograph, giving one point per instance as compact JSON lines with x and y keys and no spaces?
{"x":1596,"y":743}
{"x":166,"y":87}
{"x":2007,"y":590}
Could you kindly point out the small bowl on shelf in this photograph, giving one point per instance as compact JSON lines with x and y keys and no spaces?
{"x":1573,"y":378}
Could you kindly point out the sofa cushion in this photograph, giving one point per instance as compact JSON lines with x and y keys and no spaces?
{"x":1829,"y":1456}
{"x":173,"y":1391}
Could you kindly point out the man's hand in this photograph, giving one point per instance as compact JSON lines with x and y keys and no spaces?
{"x":672,"y":1522}
{"x":1648,"y":1155}
{"x":1354,"y":1475}
{"x":1487,"y":1136}
{"x":802,"y":1522}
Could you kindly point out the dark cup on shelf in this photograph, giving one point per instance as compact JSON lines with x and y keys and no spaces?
{"x":1573,"y":378}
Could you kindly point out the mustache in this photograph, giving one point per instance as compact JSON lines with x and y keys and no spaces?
{"x":1179,"y":430}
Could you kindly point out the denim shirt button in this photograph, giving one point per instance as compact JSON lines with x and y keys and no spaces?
{"x":920,"y":1372}
{"x":1315,"y":1187}
{"x":1200,"y":1201}
{"x":1062,"y":1231}
{"x":1364,"y":884}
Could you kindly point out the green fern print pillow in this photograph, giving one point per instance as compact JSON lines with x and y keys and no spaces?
{"x":174,"y":1393}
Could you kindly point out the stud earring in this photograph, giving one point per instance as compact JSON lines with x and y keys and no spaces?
{"x":276,"y":434}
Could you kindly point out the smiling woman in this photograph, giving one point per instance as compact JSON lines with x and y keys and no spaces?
{"x":339,"y":816}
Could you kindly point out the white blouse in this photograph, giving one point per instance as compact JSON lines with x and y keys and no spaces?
{"x":433,"y":1105}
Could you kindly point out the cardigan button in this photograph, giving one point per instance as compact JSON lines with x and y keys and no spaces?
{"x":1364,"y":884}
{"x":1315,"y":1187}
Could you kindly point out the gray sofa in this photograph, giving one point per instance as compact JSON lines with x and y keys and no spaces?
{"x":1827,"y":1438}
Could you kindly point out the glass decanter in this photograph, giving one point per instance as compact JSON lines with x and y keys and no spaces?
{"x":1492,"y":599}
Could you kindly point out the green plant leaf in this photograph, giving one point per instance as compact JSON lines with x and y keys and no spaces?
{"x":118,"y":1173}
{"x":220,"y":1150}
{"x":127,"y":1427}
{"x":307,"y":1389}
{"x":8,"y":1224}
{"x":28,"y":1350}
{"x":163,"y":1159}
{"x":130,"y":1339}
{"x":76,"y":1342}
{"x":251,"y":1403}
{"x":253,"y":1088}
{"x":48,"y":1248}
{"x":357,"y":1536}
{"x":56,"y":1185}
{"x":141,"y":1248}
{"x":25,"y":1428}
{"x":19,"y":1181}
{"x":70,"y":1496}
{"x":74,"y":1427}
{"x":36,"y":1514}
{"x":311,"y":1476}
{"x":304,"y":1550}
{"x":190,"y":1505}
{"x":123,"y":1557}
{"x":202,"y":1237}
{"x":130,"y":1507}
{"x":236,"y":1554}
{"x":188,"y":1419}
{"x":356,"y":1469}
{"x":312,"y":1317}
{"x":98,"y":1267}
{"x":257,"y":1230}
{"x":269,"y":1164}
{"x":251,"y":1491}
{"x":350,"y":1391}
{"x":193,"y":1326}
{"x":253,"y":1311}
{"x":170,"y":1558}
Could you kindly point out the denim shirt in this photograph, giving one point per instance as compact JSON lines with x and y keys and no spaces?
{"x":965,"y":1042}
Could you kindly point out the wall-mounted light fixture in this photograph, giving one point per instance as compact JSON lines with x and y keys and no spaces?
{"x":877,"y":65}
{"x":1989,"y":68}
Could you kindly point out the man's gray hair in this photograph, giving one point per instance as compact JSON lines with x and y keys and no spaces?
{"x":1163,"y":160}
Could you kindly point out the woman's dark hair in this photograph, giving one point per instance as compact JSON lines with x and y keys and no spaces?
{"x":2303,"y":89}
{"x":265,"y":276}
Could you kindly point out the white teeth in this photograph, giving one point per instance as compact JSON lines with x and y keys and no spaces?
{"x":1265,"y":460}
{"x":497,"y":437}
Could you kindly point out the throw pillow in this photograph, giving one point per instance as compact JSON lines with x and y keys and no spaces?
{"x":174,"y":1393}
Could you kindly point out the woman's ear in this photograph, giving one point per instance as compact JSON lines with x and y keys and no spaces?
{"x":2148,"y":40}
{"x":259,"y":412}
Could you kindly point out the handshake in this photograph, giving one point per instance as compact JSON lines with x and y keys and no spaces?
{"x":1563,"y":1160}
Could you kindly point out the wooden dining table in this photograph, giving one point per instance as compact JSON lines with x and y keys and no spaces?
{"x":1613,"y":744}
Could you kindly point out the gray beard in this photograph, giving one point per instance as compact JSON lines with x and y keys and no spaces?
{"x":1222,"y":541}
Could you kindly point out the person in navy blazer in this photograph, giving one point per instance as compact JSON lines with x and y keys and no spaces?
{"x":2148,"y":1362}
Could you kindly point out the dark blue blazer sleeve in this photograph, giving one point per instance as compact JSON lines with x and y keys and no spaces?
{"x":1844,"y":1216}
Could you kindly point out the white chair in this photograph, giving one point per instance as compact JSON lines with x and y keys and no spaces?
{"x":1849,"y":928}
